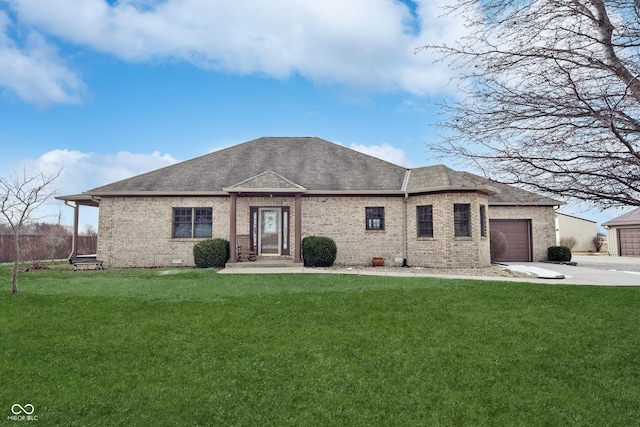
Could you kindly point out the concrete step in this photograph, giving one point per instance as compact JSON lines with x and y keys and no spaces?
{"x":264,"y":263}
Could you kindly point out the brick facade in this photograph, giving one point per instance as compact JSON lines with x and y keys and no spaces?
{"x":444,"y":249}
{"x":543,"y":228}
{"x":343,"y":219}
{"x":136,"y":231}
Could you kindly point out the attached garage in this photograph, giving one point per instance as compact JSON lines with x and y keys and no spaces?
{"x":518,"y":234}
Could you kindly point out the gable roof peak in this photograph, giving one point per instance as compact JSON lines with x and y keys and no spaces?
{"x":266,"y":181}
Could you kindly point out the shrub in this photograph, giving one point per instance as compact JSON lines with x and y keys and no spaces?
{"x":318,"y":251}
{"x":211,"y":253}
{"x":598,"y":242}
{"x":569,"y":242}
{"x":497,"y":244}
{"x":559,"y":253}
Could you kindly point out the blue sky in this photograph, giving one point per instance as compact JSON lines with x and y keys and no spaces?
{"x":108,"y":90}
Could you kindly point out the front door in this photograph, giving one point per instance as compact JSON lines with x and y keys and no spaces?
{"x":269,"y":231}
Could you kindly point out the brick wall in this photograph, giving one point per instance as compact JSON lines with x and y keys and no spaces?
{"x":136,"y":231}
{"x":542,"y":225}
{"x":343,"y":219}
{"x":444,"y":249}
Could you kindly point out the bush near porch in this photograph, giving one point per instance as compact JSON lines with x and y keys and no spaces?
{"x":318,"y":251}
{"x":211,"y":253}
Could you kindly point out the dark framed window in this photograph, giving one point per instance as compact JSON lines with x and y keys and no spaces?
{"x":375,"y":218}
{"x":462,"y":219}
{"x":192,"y":223}
{"x":483,"y":221}
{"x":425,"y":220}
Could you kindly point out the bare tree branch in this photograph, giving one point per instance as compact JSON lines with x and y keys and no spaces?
{"x":550,"y":96}
{"x":20,"y":196}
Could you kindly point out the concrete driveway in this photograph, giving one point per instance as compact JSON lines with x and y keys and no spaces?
{"x":592,"y":270}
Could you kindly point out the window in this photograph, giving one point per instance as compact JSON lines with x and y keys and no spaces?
{"x":425,"y":220}
{"x":192,"y":222}
{"x":462,"y":219}
{"x":483,"y":221}
{"x":375,"y":218}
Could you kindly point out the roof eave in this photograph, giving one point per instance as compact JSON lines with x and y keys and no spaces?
{"x":620,"y":223}
{"x":79,"y":199}
{"x":542,"y":203}
{"x":155,"y":193}
{"x":486,"y":189}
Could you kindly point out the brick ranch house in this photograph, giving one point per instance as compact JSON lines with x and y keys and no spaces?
{"x":279,"y":190}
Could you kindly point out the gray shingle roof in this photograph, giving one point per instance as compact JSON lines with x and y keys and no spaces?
{"x":629,"y":218}
{"x":510,"y":195}
{"x":307,"y":164}
{"x":312,"y":163}
{"x":441,"y":176}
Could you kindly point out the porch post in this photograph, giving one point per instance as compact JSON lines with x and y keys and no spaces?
{"x":233,"y":243}
{"x":298,"y":225}
{"x":74,"y":238}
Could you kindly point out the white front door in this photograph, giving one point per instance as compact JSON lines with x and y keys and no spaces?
{"x":269,"y":231}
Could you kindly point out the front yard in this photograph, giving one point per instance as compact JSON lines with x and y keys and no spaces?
{"x":191,"y":347}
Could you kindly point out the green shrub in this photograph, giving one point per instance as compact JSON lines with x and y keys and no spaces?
{"x":318,"y":251}
{"x":211,"y":253}
{"x":559,"y":253}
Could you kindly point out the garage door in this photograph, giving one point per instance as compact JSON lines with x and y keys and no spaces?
{"x":518,"y":234}
{"x":629,"y":239}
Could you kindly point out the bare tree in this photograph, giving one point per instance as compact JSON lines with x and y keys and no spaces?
{"x":550,"y":96}
{"x":20,"y":196}
{"x":53,"y":235}
{"x":570,"y":242}
{"x":598,"y":242}
{"x":89,"y":230}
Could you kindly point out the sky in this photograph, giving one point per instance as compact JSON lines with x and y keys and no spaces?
{"x":105,"y":90}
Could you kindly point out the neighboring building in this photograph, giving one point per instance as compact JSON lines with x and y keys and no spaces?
{"x":278,"y":190}
{"x":571,"y":227}
{"x":624,"y":234}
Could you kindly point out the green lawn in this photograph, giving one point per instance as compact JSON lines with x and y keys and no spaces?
{"x":192,"y":347}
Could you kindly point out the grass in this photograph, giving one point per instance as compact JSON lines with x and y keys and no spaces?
{"x":191,"y":347}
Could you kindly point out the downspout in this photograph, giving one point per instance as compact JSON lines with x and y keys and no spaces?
{"x":406,"y":230}
{"x":405,"y":236}
{"x":74,"y":237}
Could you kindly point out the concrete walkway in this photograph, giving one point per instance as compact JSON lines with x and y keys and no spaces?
{"x":582,"y":274}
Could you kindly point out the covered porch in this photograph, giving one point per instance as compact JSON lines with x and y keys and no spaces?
{"x":266,"y":222}
{"x":75,"y":202}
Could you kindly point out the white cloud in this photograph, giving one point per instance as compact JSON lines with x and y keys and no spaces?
{"x":367,"y":44}
{"x":385,"y":152}
{"x":34,"y":71}
{"x":85,"y":171}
